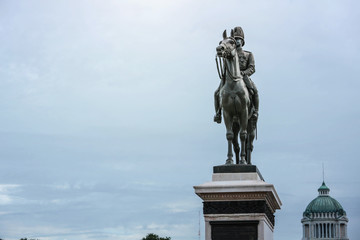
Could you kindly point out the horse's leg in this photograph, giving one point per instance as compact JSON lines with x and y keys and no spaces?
{"x":247,"y":152}
{"x":236,"y":129}
{"x":251,"y":128}
{"x":229,"y":136}
{"x":250,"y":146}
{"x":243,"y":134}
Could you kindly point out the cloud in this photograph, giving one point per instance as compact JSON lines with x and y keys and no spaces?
{"x":107,"y":111}
{"x":4,"y":188}
{"x":182,"y":206}
{"x":5,"y":199}
{"x":7,"y":193}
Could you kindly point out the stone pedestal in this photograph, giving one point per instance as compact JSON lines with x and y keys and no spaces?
{"x":238,"y":204}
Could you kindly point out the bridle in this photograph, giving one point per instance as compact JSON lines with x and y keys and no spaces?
{"x":221,"y":73}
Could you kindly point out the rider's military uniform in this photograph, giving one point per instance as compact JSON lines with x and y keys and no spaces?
{"x":247,"y":68}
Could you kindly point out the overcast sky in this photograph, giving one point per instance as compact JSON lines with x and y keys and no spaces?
{"x":107,"y":106}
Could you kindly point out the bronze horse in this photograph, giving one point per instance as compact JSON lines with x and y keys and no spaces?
{"x":235,"y":103}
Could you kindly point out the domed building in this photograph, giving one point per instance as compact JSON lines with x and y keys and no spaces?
{"x":324,"y":218}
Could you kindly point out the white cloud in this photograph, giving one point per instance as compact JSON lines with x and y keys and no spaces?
{"x":5,"y":199}
{"x":64,"y":186}
{"x":5,"y":188}
{"x":182,"y":206}
{"x":107,"y":109}
{"x":6,"y":193}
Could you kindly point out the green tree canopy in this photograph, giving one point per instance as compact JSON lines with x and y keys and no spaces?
{"x":152,"y":236}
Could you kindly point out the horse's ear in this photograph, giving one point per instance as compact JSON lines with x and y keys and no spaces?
{"x":232,"y":33}
{"x":224,"y":34}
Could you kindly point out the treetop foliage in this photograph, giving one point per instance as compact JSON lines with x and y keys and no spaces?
{"x":152,"y":236}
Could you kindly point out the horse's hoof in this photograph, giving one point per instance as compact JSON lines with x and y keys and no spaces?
{"x":229,"y":161}
{"x":243,"y":162}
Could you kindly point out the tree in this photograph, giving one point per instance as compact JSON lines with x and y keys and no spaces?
{"x":152,"y":236}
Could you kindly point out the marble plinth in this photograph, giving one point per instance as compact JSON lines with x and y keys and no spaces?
{"x":236,"y":202}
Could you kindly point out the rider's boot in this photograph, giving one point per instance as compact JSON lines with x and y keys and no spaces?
{"x":217,"y":117}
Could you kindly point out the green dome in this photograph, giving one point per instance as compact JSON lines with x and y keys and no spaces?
{"x":324,"y":203}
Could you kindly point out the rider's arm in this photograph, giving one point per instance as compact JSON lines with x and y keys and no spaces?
{"x":250,"y":66}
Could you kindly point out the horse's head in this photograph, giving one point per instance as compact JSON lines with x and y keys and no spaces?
{"x":227,"y":47}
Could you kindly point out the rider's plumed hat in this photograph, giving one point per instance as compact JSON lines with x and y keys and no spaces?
{"x":239,"y":33}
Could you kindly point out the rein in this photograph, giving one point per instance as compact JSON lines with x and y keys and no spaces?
{"x":226,"y":69}
{"x":221,"y":75}
{"x":231,"y":76}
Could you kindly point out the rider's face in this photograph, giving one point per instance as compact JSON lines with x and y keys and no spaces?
{"x":238,"y":42}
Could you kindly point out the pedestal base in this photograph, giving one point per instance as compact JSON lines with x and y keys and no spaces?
{"x":234,"y":230}
{"x":238,"y":204}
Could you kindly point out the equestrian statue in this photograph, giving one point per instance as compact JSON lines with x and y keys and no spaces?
{"x":237,"y":96}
